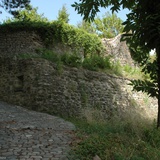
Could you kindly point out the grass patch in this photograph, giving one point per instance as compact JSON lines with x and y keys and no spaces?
{"x":96,"y":63}
{"x":133,"y":72}
{"x":116,"y":140}
{"x":93,"y":63}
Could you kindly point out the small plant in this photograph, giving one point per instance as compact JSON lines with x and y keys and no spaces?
{"x":49,"y":55}
{"x":72,"y":60}
{"x":117,"y":68}
{"x":133,"y":72}
{"x":97,"y":62}
{"x":127,"y":68}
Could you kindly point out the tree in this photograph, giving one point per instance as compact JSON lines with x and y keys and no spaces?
{"x":108,"y":26}
{"x":27,"y":14}
{"x":87,"y":26}
{"x":142,"y":32}
{"x":63,"y":14}
{"x":12,"y":5}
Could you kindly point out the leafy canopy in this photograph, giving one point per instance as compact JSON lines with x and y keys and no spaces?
{"x":143,"y":19}
{"x":11,"y":6}
{"x":28,"y":14}
{"x":63,"y":14}
{"x":107,"y":26}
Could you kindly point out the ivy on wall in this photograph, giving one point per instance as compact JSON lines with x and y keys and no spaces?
{"x":56,"y":31}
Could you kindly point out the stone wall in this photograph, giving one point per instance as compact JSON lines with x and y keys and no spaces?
{"x":118,"y":50}
{"x":25,"y":42}
{"x":14,"y":43}
{"x":39,"y":85}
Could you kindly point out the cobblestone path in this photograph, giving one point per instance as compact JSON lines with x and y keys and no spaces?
{"x":29,"y":135}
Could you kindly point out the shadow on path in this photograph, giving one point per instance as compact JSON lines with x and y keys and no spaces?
{"x":30,"y":135}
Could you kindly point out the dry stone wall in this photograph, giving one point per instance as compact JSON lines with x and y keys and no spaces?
{"x":118,"y":50}
{"x":15,"y":43}
{"x":39,"y":85}
{"x":27,"y":42}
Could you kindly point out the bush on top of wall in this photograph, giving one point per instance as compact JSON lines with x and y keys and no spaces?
{"x":56,"y":31}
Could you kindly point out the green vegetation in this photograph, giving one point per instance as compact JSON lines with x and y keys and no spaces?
{"x":97,"y":62}
{"x":93,"y":63}
{"x":28,"y":14}
{"x":63,"y":15}
{"x":59,"y":32}
{"x":116,"y":140}
{"x":107,"y":26}
{"x":87,"y":49}
{"x":141,"y":30}
{"x":11,"y":6}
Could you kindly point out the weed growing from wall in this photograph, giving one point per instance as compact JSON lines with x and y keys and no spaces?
{"x":84,"y":95}
{"x":72,"y":60}
{"x":93,"y":63}
{"x":96,"y":62}
{"x":117,"y":68}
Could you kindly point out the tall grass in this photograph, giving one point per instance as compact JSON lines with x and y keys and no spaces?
{"x":93,"y":63}
{"x":116,"y":139}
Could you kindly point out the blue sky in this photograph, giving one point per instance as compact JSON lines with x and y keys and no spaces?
{"x":50,"y":10}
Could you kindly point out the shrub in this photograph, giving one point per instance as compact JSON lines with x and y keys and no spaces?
{"x":72,"y":60}
{"x":96,"y":62}
{"x":117,"y":68}
{"x":49,"y":55}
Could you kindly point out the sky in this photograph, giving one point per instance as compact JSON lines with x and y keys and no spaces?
{"x":50,"y":10}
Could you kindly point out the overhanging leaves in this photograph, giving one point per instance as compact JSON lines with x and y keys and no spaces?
{"x":145,"y":86}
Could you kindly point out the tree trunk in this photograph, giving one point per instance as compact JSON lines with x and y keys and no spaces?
{"x":158,"y":76}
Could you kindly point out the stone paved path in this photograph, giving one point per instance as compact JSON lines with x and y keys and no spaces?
{"x":29,"y":135}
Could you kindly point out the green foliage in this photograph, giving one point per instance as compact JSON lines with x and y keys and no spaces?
{"x":51,"y":33}
{"x":87,"y":26}
{"x":11,"y":6}
{"x":145,"y":86}
{"x":27,"y":14}
{"x":127,"y":68}
{"x":133,"y":72}
{"x":117,"y":68}
{"x":118,"y":140}
{"x":141,"y":32}
{"x":71,"y":60}
{"x":63,"y":15}
{"x":148,"y":85}
{"x":96,"y":62}
{"x":93,"y":63}
{"x":90,"y":8}
{"x":80,"y":40}
{"x":49,"y":55}
{"x":108,"y":26}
